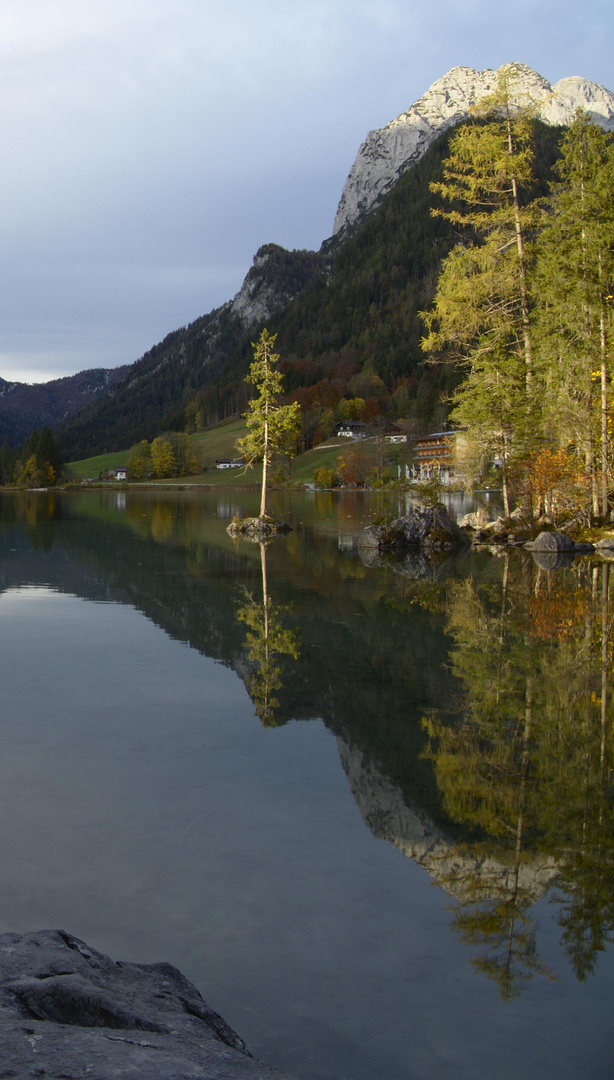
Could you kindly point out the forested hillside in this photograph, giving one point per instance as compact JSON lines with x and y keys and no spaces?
{"x":209,"y":353}
{"x":351,"y":333}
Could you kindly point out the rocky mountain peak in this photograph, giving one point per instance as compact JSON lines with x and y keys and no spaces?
{"x":388,"y":152}
{"x":272,"y":282}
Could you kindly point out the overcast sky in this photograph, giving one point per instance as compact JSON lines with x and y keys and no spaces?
{"x":149,"y":147}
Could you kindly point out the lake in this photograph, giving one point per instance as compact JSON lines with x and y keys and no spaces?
{"x":371,"y":818}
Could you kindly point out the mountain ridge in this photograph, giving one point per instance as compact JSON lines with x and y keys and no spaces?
{"x":211,"y":355}
{"x":24,"y":406}
{"x":388,"y":152}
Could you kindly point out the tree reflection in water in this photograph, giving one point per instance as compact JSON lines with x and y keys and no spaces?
{"x":266,"y":641}
{"x":504,"y":794}
{"x":528,"y":770}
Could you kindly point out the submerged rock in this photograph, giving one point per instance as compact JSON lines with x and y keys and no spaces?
{"x":430,"y":529}
{"x":67,"y":1010}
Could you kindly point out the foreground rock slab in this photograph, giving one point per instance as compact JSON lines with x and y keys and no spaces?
{"x":69,"y":1011}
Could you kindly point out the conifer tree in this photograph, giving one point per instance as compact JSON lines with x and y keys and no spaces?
{"x":271,"y":427}
{"x":574,"y":283}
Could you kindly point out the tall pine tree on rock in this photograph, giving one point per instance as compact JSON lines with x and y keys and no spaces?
{"x":272,"y":427}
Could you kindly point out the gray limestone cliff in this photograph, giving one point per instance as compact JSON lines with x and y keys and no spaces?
{"x":389,"y":151}
{"x":276,"y":277}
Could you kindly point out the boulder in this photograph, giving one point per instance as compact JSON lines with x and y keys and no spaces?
{"x":478,"y":519}
{"x":551,"y":541}
{"x":480,"y":536}
{"x":431,"y":529}
{"x":557,"y":543}
{"x":498,"y":527}
{"x":67,"y":1010}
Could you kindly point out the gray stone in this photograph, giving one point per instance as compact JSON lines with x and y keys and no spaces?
{"x":552,"y":541}
{"x":606,"y":543}
{"x":480,"y":536}
{"x":478,"y":519}
{"x":431,"y":529}
{"x":69,"y":1011}
{"x":498,"y":527}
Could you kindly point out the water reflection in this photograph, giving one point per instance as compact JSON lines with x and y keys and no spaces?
{"x":267,"y":640}
{"x":470,"y":697}
{"x":527,"y":771}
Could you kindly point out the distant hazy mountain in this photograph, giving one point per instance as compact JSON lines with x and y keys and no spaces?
{"x":24,"y":406}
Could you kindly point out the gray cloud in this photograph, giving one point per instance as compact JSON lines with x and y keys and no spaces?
{"x":150,"y":146}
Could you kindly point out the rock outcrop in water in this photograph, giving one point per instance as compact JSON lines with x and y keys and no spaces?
{"x":429,"y":529}
{"x":69,"y":1011}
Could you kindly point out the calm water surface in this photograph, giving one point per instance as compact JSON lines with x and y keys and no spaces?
{"x":371,"y":818}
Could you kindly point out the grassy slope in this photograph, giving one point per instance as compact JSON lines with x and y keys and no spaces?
{"x":220,"y":442}
{"x":217,"y":442}
{"x":91,"y":468}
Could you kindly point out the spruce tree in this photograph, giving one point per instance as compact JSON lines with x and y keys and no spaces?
{"x":573,"y":291}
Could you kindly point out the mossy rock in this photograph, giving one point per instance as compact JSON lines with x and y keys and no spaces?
{"x":257,"y":528}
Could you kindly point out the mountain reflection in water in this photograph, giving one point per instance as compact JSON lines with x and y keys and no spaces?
{"x":470,"y":697}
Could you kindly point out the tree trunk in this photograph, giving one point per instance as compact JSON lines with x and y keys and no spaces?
{"x":265,"y":469}
{"x":524,"y":292}
{"x":604,"y":414}
{"x":605,"y":586}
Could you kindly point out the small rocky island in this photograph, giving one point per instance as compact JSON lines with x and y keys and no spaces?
{"x":257,"y":528}
{"x":69,"y":1011}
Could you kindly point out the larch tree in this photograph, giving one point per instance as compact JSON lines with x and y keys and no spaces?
{"x":573,"y":295}
{"x":272,"y":427}
{"x":481,"y":317}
